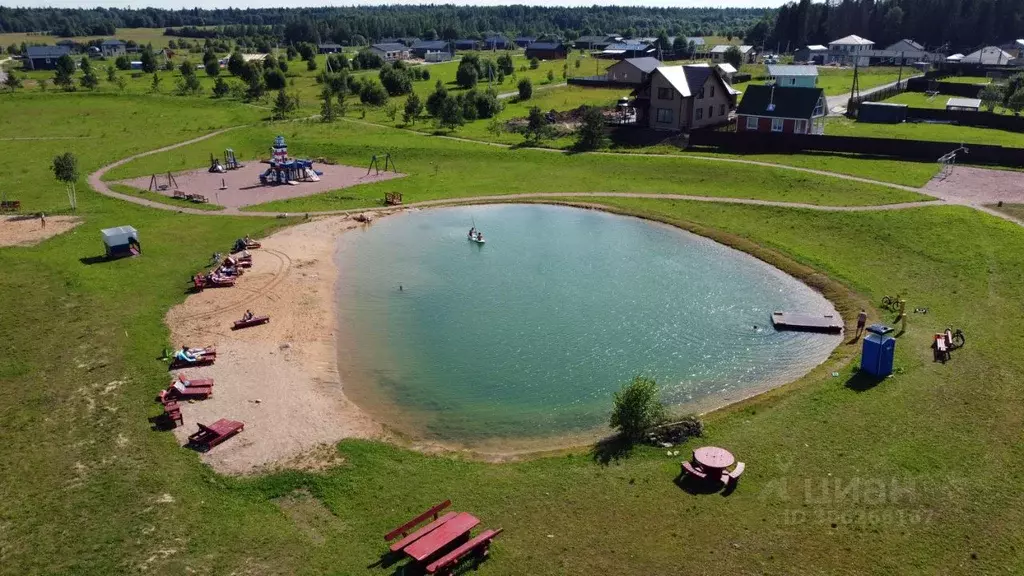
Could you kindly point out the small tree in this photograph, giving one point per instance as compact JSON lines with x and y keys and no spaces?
{"x":373,"y":94}
{"x":283,"y":105}
{"x":123,"y":62}
{"x":734,"y":56}
{"x":450,"y":114}
{"x":211,"y":64}
{"x":391,"y":111}
{"x":637,"y":408}
{"x":274,"y":79}
{"x":311,"y":64}
{"x":256,"y":89}
{"x":12,"y":82}
{"x":220,"y":88}
{"x":155,"y":85}
{"x":505,"y":64}
{"x":236,"y":64}
{"x":467,"y":75}
{"x":148,"y":60}
{"x":534,"y":63}
{"x":121,"y":84}
{"x":991,"y":96}
{"x":65,"y":169}
{"x":590,"y":135}
{"x":551,"y":76}
{"x":327,"y":113}
{"x":536,"y":125}
{"x":525,"y":89}
{"x":436,"y":99}
{"x":111,"y":73}
{"x":413,"y":108}
{"x":64,"y":72}
{"x":1016,"y":102}
{"x":89,"y":80}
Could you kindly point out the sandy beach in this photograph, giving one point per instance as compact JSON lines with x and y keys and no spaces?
{"x":22,"y":231}
{"x":280,"y":379}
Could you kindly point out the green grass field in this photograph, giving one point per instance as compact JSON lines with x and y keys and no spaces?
{"x":968,"y":79}
{"x":139,"y":35}
{"x":918,"y":474}
{"x":922,"y":100}
{"x":922,"y":131}
{"x":836,"y":81}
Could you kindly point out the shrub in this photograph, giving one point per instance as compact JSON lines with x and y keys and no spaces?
{"x":534,"y":63}
{"x":637,"y":408}
{"x":220,"y":88}
{"x":373,"y":94}
{"x":396,"y":81}
{"x":274,"y":79}
{"x":467,"y":75}
{"x":487,"y":104}
{"x":436,"y":99}
{"x":123,"y":62}
{"x":367,"y":60}
{"x":590,"y":135}
{"x":525,"y":89}
{"x":311,"y":64}
{"x":413,"y":108}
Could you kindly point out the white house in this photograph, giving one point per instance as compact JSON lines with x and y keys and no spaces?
{"x":850,"y":50}
{"x":790,"y":76}
{"x":391,"y":51}
{"x":989,"y":56}
{"x":718,"y":53}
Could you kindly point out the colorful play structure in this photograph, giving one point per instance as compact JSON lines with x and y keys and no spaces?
{"x":121,"y":241}
{"x":284,"y":170}
{"x":230,"y":162}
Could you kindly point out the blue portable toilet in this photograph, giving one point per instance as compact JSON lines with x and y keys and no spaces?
{"x":878,"y":351}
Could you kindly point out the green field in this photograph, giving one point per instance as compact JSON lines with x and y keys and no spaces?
{"x":918,"y":474}
{"x":837,"y":81}
{"x":923,"y":131}
{"x":142,"y":36}
{"x":967,"y":79}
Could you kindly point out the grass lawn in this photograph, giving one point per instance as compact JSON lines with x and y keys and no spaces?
{"x":155,"y":197}
{"x":922,"y":131}
{"x":1015,"y":210}
{"x":836,"y":81}
{"x":139,"y":35}
{"x":922,"y":100}
{"x":967,"y":79}
{"x":898,"y":477}
{"x":439,"y":168}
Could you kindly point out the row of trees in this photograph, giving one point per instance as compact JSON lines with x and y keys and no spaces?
{"x":354,"y":25}
{"x":953,"y":25}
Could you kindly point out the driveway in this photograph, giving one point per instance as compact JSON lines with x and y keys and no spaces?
{"x":837,"y":104}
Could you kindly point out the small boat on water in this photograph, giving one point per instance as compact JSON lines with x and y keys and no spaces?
{"x":475,"y":236}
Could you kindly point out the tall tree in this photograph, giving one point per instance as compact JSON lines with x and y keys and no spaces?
{"x":65,"y":169}
{"x":63,"y":74}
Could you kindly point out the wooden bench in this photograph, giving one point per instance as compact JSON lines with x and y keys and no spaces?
{"x":734,"y":476}
{"x":480,"y":545}
{"x":690,"y":470}
{"x":10,"y":205}
{"x":173,"y":413}
{"x":403,"y":530}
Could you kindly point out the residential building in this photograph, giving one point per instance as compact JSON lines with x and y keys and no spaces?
{"x":44,"y":57}
{"x":850,"y":51}
{"x":788,"y":76}
{"x":812,"y":53}
{"x":964,"y":104}
{"x":727,"y":71}
{"x":988,"y":56}
{"x":391,"y":52}
{"x":547,"y":51}
{"x":779,"y":109}
{"x":498,"y":43}
{"x":112,"y":48}
{"x":524,"y":41}
{"x":623,"y":50}
{"x":680,"y":98}
{"x":437,"y":57}
{"x":632,"y":70}
{"x":423,"y":47}
{"x":466,"y":44}
{"x":747,"y":52}
{"x":597,"y":42}
{"x":69,"y":43}
{"x":1015,"y":48}
{"x":328,"y":48}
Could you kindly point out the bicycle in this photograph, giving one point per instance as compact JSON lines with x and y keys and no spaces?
{"x":891,"y":303}
{"x":957,"y":340}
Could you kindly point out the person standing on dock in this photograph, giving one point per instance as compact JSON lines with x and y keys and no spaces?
{"x":862,"y":319}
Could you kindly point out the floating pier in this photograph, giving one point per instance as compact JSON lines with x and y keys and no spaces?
{"x":807,"y":322}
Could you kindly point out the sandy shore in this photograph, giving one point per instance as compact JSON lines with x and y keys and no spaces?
{"x":21,"y":231}
{"x":280,"y":379}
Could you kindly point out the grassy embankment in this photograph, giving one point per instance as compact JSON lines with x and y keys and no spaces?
{"x":841,"y":476}
{"x":842,"y":126}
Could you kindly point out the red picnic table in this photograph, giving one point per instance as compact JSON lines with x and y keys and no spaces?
{"x":441,"y":535}
{"x":713,"y":458}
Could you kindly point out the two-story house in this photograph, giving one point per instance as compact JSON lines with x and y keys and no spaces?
{"x":850,"y":50}
{"x":684,"y":98}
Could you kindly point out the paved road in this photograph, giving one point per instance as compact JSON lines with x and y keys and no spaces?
{"x":842,"y":100}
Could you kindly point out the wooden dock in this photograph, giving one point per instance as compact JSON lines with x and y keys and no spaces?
{"x":807,"y":322}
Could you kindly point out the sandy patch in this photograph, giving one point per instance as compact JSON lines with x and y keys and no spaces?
{"x":22,"y":231}
{"x":280,"y":379}
{"x":242,"y":187}
{"x":977,"y":186}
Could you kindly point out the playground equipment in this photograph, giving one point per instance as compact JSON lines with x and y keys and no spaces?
{"x":284,"y":170}
{"x":121,"y":241}
{"x":155,"y":185}
{"x":375,"y":164}
{"x":230,"y":162}
{"x":948,"y":161}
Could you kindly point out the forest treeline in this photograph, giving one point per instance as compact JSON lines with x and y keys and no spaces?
{"x":950,"y":25}
{"x":353,"y":25}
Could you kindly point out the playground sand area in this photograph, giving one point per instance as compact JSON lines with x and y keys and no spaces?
{"x":970,"y":185}
{"x":242,"y":186}
{"x":27,"y":231}
{"x":281,"y":378}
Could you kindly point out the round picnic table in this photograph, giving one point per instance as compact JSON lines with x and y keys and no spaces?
{"x":713,"y":457}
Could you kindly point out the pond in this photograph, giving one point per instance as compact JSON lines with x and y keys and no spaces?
{"x":519,"y":343}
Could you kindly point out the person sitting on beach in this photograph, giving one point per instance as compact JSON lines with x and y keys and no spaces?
{"x":247,"y":316}
{"x":185,"y":355}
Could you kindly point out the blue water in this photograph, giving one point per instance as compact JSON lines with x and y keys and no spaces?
{"x":527,"y":336}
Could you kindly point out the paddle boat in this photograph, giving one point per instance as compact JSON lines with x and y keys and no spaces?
{"x":475,"y":236}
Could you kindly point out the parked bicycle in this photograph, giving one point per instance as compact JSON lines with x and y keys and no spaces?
{"x":891,"y":303}
{"x":957,"y":340}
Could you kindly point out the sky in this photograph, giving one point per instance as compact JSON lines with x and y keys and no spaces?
{"x":175,"y":4}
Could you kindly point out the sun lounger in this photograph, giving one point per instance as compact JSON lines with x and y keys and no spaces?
{"x":182,"y":392}
{"x":209,"y":436}
{"x":194,"y":382}
{"x":254,"y":321}
{"x":479,"y":546}
{"x":690,"y":470}
{"x":201,"y":361}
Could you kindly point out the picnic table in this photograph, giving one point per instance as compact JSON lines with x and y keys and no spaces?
{"x":714,"y":458}
{"x":455,"y":527}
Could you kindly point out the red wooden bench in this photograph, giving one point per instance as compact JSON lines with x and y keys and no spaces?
{"x":689,"y":469}
{"x":404,"y":529}
{"x":173,"y":413}
{"x":209,"y":436}
{"x":734,"y":476}
{"x":254,"y":321}
{"x":10,"y":205}
{"x":185,"y":393}
{"x":480,"y":546}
